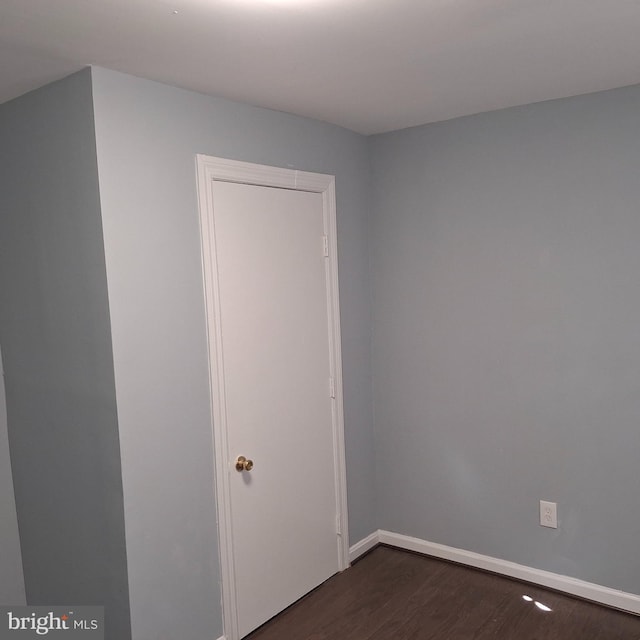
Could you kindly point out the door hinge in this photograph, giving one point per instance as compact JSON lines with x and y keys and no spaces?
{"x":332,"y":388}
{"x":325,"y":246}
{"x":338,"y":524}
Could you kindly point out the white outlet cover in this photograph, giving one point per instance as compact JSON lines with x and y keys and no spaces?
{"x":549,"y":514}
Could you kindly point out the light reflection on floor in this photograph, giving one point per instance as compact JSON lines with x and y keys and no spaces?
{"x":542,"y":607}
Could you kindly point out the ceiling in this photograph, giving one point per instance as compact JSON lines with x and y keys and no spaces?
{"x":367,"y":65}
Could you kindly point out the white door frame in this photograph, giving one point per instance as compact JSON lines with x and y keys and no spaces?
{"x":218,"y":169}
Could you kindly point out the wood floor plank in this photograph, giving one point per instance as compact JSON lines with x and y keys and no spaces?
{"x":369,"y":620}
{"x":347,"y":599}
{"x":454,"y":606}
{"x":395,"y":595}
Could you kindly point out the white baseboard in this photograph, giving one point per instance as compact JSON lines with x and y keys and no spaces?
{"x":364,"y":545}
{"x":588,"y":590}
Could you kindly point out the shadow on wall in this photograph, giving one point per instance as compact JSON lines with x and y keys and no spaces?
{"x":11,"y":576}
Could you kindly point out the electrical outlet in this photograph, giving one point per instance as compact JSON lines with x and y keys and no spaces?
{"x":548,"y":514}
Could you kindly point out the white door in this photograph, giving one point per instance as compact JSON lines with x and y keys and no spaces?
{"x":276,"y":386}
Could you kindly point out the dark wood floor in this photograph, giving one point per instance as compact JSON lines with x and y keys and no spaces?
{"x":394,"y":595}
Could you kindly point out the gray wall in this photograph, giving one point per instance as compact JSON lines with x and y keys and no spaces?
{"x":54,"y":330}
{"x":147,"y":138}
{"x":11,"y":575}
{"x":507,"y":333}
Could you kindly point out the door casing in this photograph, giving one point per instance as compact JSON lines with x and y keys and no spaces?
{"x":209,"y":170}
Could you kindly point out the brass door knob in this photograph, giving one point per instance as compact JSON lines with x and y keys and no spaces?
{"x":242,"y":464}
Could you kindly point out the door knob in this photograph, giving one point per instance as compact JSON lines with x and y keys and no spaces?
{"x":242,"y":464}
